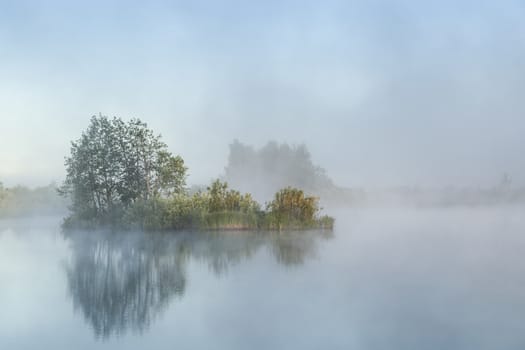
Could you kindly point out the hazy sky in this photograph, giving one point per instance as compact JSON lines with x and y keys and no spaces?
{"x":382,"y":92}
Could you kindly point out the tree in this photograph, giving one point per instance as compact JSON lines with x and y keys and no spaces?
{"x":115,"y":164}
{"x":263,"y":171}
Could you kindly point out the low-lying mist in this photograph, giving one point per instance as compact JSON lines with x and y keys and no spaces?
{"x":263,"y":171}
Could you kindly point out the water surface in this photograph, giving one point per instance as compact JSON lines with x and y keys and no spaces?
{"x":384,"y":279}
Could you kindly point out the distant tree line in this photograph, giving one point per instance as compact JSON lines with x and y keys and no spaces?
{"x":266,"y":170}
{"x":24,"y":201}
{"x":121,"y":174}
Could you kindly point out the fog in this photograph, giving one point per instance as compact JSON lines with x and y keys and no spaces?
{"x":382,"y":93}
{"x":402,"y":121}
{"x":412,"y":279}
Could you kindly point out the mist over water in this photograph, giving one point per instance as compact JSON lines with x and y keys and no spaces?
{"x":401,"y":119}
{"x":385,"y":278}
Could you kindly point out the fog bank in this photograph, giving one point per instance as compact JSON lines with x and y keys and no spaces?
{"x":383,"y":93}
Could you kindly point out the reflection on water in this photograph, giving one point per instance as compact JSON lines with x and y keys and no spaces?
{"x":294,"y":248}
{"x":123,"y":281}
{"x":388,"y":279}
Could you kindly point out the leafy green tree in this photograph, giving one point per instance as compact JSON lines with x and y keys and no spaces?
{"x":115,"y":164}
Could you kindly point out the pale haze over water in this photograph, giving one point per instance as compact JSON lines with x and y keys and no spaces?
{"x":412,"y":279}
{"x":405,"y":119}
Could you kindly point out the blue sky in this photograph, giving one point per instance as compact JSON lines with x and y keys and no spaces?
{"x":382,"y":92}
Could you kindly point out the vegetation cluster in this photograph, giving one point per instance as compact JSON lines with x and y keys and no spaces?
{"x":219,"y":207}
{"x":122,"y":175}
{"x":22,"y":201}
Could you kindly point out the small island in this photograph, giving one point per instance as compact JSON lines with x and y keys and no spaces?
{"x":121,"y":175}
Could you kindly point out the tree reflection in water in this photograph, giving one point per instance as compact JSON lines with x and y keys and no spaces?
{"x":294,"y":248}
{"x":123,"y":281}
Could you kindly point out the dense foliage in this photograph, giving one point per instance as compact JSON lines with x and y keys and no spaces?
{"x":116,"y":164}
{"x":221,"y":208}
{"x":216,"y":207}
{"x":121,"y":174}
{"x":292,"y":209}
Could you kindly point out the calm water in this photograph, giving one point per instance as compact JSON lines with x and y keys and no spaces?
{"x":385,"y":279}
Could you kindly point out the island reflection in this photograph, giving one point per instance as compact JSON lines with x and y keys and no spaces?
{"x":122,"y":282}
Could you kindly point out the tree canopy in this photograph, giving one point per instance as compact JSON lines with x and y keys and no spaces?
{"x":116,"y":163}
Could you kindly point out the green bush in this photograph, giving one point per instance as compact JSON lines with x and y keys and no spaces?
{"x":292,"y":209}
{"x":220,"y":208}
